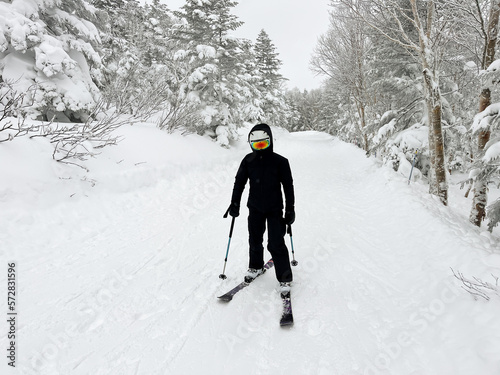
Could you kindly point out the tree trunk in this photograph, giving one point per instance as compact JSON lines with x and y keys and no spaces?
{"x":363,"y":127}
{"x":439,"y":186}
{"x":480,"y":200}
{"x":440,"y":167}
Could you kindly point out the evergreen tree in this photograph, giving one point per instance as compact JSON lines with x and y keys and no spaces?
{"x":112,"y":7}
{"x":139,"y":57}
{"x":268,"y":63}
{"x":58,"y":43}
{"x":217,"y":80}
{"x":274,"y":107}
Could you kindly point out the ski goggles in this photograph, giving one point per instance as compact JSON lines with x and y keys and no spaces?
{"x":260,"y":144}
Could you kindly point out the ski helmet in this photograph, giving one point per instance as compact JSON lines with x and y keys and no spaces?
{"x":259,"y":140}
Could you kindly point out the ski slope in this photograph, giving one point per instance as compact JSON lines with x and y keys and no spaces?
{"x":118,"y":268}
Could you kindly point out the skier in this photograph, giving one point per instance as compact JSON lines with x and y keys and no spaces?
{"x":267,"y":172}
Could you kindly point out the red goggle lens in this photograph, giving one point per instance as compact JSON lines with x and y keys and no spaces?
{"x":260,"y":144}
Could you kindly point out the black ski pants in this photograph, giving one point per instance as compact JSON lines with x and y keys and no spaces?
{"x":276,"y":230}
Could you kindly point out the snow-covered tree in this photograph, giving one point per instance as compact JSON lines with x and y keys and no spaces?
{"x":270,"y":81}
{"x":268,"y":62}
{"x":397,"y":103}
{"x":112,"y":7}
{"x":307,"y":110}
{"x":341,"y":55}
{"x":218,"y":81}
{"x":122,"y":36}
{"x":52,"y":45}
{"x":432,"y":25}
{"x":374,"y":69}
{"x":483,"y":131}
{"x":143,"y":75}
{"x":487,"y":167}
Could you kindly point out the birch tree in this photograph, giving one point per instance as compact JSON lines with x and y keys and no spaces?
{"x":490,"y":32}
{"x":341,"y":55}
{"x":388,"y":18}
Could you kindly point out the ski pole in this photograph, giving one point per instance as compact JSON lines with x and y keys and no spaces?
{"x":222,"y":275}
{"x":294,"y":262}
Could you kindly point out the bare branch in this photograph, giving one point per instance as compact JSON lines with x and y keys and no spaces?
{"x":477,"y":287}
{"x":371,"y":21}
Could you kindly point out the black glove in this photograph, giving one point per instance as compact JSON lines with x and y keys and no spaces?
{"x":289,"y":216}
{"x":234,"y":210}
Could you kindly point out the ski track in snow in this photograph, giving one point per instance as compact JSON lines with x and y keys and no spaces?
{"x":128,"y":284}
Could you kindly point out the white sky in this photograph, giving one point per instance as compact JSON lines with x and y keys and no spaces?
{"x":292,"y":25}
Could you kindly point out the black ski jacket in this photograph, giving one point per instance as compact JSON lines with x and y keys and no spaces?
{"x":267,"y":173}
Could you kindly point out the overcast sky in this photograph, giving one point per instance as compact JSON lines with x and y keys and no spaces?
{"x":292,"y":25}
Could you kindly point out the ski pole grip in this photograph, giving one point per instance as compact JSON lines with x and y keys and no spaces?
{"x":289,"y":230}
{"x":232,"y":226}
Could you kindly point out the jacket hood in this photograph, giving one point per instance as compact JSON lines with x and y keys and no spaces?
{"x":267,"y":129}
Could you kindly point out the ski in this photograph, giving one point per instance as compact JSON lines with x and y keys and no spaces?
{"x":286,"y":316}
{"x":229,"y":295}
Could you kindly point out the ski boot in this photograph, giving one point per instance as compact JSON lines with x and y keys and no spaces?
{"x":252,"y":273}
{"x":285,"y":287}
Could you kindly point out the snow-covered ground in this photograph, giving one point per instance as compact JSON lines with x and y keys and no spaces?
{"x":117,"y":268}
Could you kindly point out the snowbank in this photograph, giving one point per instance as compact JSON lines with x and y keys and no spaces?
{"x":144,"y":157}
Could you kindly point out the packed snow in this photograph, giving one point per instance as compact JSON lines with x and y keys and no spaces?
{"x":118,"y":267}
